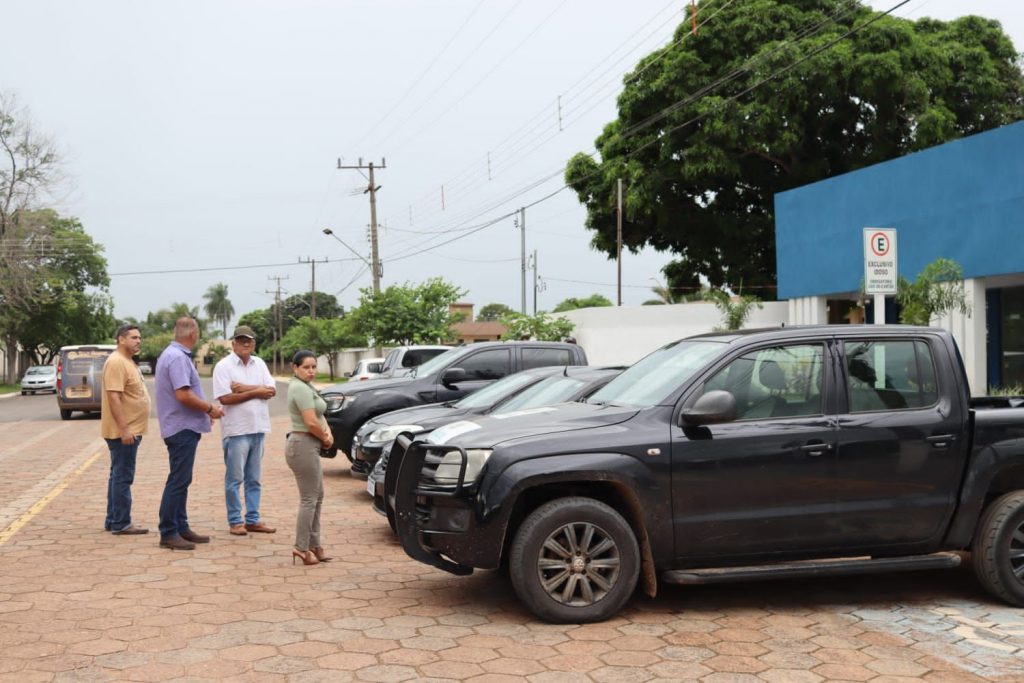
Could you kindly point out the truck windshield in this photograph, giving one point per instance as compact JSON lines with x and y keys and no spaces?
{"x":438,"y":362}
{"x":652,"y":379}
{"x":493,"y":393}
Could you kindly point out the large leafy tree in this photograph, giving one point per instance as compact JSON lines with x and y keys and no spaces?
{"x":323,"y":336}
{"x":407,"y":314}
{"x":492,"y":312}
{"x":53,"y":286}
{"x":299,"y":306}
{"x":771,"y":95}
{"x":218,"y":306}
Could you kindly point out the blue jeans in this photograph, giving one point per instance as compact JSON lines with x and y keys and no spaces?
{"x":181,"y":449}
{"x":243,"y":461}
{"x":119,"y":483}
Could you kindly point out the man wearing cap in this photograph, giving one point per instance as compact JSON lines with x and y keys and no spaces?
{"x":243,"y":385}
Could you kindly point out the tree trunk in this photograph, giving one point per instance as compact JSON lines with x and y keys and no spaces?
{"x":11,"y":371}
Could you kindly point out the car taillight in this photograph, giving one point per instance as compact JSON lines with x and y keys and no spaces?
{"x":60,"y":366}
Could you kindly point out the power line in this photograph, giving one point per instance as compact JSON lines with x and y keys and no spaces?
{"x":208,"y":270}
{"x":698,"y":117}
{"x":419,"y":78}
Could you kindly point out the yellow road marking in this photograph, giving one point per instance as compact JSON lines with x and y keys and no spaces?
{"x":40,"y":504}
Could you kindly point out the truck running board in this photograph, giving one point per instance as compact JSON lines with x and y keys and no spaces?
{"x":811,"y":568}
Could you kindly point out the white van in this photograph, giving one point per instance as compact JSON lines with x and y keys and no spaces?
{"x":80,"y":377}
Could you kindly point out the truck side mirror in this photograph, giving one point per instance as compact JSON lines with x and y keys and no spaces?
{"x":453,"y":376}
{"x":712,"y":408}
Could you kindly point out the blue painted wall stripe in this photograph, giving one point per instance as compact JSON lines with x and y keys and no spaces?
{"x":962,"y":200}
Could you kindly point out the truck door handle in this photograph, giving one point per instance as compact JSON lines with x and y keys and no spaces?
{"x":941,"y":440}
{"x":816,"y":448}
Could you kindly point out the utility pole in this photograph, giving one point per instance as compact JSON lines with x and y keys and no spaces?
{"x":522,"y":226}
{"x":278,"y":327}
{"x":371,"y":189}
{"x":536,"y":285}
{"x":618,"y":240}
{"x":312,"y":295}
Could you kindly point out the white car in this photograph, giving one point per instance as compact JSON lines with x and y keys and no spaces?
{"x":39,"y":378}
{"x":367,"y":368}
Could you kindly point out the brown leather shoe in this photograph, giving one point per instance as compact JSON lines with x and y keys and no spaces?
{"x":193,"y":537}
{"x":238,"y":530}
{"x":176,"y":543}
{"x":260,"y":528}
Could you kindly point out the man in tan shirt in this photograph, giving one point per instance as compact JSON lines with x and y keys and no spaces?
{"x":124,"y":416}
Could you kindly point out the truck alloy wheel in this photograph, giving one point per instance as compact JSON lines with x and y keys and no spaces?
{"x":998,"y":550}
{"x":574,"y":560}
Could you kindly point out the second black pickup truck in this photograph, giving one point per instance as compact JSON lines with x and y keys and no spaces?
{"x":446,"y":377}
{"x":762,"y":454}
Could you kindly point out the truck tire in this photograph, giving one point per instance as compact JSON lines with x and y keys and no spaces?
{"x":574,"y":560}
{"x":998,"y":550}
{"x":65,"y":414}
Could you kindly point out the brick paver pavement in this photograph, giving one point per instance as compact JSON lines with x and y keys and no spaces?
{"x":79,"y":604}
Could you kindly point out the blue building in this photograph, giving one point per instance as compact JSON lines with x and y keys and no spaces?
{"x":963,"y":200}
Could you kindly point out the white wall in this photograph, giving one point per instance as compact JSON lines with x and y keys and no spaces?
{"x":622,"y":335}
{"x":347,"y":360}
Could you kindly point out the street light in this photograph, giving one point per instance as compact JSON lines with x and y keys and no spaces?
{"x":328,"y":231}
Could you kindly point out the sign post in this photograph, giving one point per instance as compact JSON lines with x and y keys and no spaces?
{"x":879,"y":267}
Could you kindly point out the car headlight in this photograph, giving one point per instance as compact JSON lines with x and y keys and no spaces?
{"x":391,"y":432}
{"x":338,"y":402}
{"x":448,"y":471}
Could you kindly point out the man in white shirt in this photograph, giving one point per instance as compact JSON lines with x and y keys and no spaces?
{"x":243,"y":385}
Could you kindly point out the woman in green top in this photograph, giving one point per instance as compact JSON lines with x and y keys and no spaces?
{"x":309,"y":433}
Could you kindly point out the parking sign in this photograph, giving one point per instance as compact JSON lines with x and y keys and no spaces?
{"x":879,"y":261}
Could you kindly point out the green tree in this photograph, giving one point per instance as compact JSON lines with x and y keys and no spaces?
{"x":53,"y":286}
{"x":323,"y":336}
{"x":592,"y":301}
{"x":710,"y":128}
{"x":153,"y":345}
{"x":492,"y":312}
{"x":218,"y":306}
{"x":938,"y":289}
{"x":158,"y":328}
{"x":74,"y":318}
{"x":735,"y":309}
{"x":541,"y":327}
{"x":299,"y":306}
{"x":407,"y":314}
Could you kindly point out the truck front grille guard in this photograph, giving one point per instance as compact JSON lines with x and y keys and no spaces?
{"x":410,"y":470}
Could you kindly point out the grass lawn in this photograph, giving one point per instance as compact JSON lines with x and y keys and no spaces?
{"x":9,"y":388}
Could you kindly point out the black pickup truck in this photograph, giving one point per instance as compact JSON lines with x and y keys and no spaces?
{"x":762,"y":454}
{"x":446,"y":377}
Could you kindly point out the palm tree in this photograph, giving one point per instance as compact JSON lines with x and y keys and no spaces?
{"x":218,"y":307}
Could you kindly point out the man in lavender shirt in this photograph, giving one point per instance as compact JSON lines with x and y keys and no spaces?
{"x":184,"y":415}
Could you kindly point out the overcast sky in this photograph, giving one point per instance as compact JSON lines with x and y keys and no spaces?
{"x":206,"y":135}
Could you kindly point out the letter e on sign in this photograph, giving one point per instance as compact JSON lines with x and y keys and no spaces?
{"x":879,"y":261}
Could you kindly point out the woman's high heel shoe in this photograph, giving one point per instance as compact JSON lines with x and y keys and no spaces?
{"x":306,"y":556}
{"x":320,"y":554}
